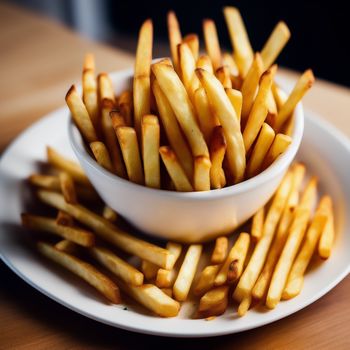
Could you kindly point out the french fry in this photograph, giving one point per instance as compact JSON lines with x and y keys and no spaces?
{"x":152,"y":298}
{"x":206,"y":279}
{"x":64,"y":219}
{"x":173,"y":131}
{"x":217,"y":150}
{"x":207,"y":121}
{"x":262,"y":146}
{"x":228,"y":119}
{"x":279,"y":145}
{"x":149,"y":269}
{"x":258,"y":224}
{"x":304,"y":84}
{"x":214,"y":302}
{"x":243,"y":52}
{"x":290,"y":248}
{"x":256,"y":262}
{"x":48,"y":225}
{"x":175,"y":170}
{"x":66,"y":246}
{"x":296,"y":276}
{"x":188,"y":66}
{"x":65,"y":164}
{"x":258,"y":111}
{"x":80,"y":115}
{"x":264,"y":279}
{"x":275,"y":44}
{"x":327,"y":236}
{"x":117,"y":266}
{"x":51,"y":182}
{"x":211,"y":41}
{"x":82,"y":269}
{"x":178,"y":98}
{"x":109,"y":232}
{"x":288,"y":127}
{"x":271,"y":107}
{"x":89,"y":85}
{"x":201,"y":176}
{"x":142,"y":82}
{"x":223,"y":74}
{"x":130,"y":150}
{"x":235,"y":97}
{"x":228,"y":60}
{"x":220,"y":250}
{"x":193,"y":43}
{"x":150,"y":150}
{"x":237,"y":253}
{"x":109,"y":214}
{"x":101,"y":154}
{"x":279,"y":96}
{"x":250,"y":85}
{"x":105,"y":88}
{"x":187,"y":271}
{"x":117,"y":119}
{"x":126,"y":107}
{"x":175,"y":38}
{"x":204,"y":62}
{"x":67,"y":187}
{"x":244,"y":306}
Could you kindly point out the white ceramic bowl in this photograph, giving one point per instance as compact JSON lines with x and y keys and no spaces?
{"x":191,"y":216}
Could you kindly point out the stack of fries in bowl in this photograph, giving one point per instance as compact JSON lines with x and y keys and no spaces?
{"x":201,"y":144}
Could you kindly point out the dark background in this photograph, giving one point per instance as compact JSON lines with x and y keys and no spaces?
{"x":320,"y":29}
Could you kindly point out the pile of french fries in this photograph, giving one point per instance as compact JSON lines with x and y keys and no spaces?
{"x":263,"y":265}
{"x":214,"y":119}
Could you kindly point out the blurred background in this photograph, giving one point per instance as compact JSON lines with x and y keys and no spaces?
{"x":320,"y":29}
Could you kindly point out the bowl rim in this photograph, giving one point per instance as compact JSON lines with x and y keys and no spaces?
{"x":271,"y":172}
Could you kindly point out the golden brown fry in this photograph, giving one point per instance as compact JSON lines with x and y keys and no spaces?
{"x":237,"y":253}
{"x":109,"y":214}
{"x":244,"y":306}
{"x":327,"y":236}
{"x":258,"y":111}
{"x":204,"y":62}
{"x":223,"y":109}
{"x":217,"y":150}
{"x":173,"y":131}
{"x":250,"y":85}
{"x":201,"y":176}
{"x":66,"y":246}
{"x":101,"y":154}
{"x":187,"y":271}
{"x":207,"y":121}
{"x":142,"y":82}
{"x":193,"y":42}
{"x":279,"y":145}
{"x":220,"y":250}
{"x":68,"y":187}
{"x":206,"y":279}
{"x":256,"y":262}
{"x":175,"y":170}
{"x":296,"y":276}
{"x":212,"y":45}
{"x":264,"y":279}
{"x":175,"y":38}
{"x":105,"y":88}
{"x":80,"y":115}
{"x":275,"y":44}
{"x":117,"y":266}
{"x":236,"y":100}
{"x":64,"y":219}
{"x":150,"y":150}
{"x":128,"y":144}
{"x":262,"y":145}
{"x":243,"y":52}
{"x":179,"y":100}
{"x":48,"y":225}
{"x":65,"y":164}
{"x":126,"y":106}
{"x":152,"y":298}
{"x":82,"y":269}
{"x":258,"y":224}
{"x":149,"y":269}
{"x":279,"y":95}
{"x":117,"y":119}
{"x":109,"y":232}
{"x":304,"y":84}
{"x":223,"y":74}
{"x":228,"y":60}
{"x":214,"y":302}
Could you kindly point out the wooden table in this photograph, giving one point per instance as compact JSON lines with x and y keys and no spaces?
{"x":39,"y":60}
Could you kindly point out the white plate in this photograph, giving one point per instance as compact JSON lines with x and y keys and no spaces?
{"x":326,"y":152}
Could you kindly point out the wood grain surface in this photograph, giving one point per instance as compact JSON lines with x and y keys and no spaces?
{"x":39,"y":59}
